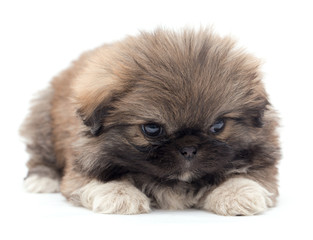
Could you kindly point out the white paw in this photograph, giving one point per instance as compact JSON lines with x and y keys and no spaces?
{"x":40,"y":184}
{"x":119,"y":197}
{"x":238,"y":196}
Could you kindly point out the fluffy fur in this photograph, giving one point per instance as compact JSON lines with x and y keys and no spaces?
{"x":238,"y":196}
{"x":112,"y":197}
{"x":40,"y":184}
{"x":87,"y":128}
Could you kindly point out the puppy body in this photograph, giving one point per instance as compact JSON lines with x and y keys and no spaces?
{"x":87,"y":130}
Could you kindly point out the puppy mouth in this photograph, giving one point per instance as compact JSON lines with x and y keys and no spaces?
{"x":186,"y":174}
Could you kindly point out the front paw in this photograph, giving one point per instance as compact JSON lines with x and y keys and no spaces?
{"x":35,"y":183}
{"x":115,"y":197}
{"x":238,"y":196}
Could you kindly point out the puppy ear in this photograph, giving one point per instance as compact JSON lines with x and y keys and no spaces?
{"x":256,"y":114}
{"x":94,"y":89}
{"x":257,"y":118}
{"x":95,"y":120}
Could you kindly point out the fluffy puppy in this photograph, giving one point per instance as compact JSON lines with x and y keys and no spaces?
{"x":161,"y":120}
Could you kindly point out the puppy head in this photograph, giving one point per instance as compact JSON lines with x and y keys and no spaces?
{"x":177,"y":106}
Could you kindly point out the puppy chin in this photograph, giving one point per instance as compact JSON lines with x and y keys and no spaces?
{"x":186,"y":176}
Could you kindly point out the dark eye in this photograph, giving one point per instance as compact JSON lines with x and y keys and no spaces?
{"x":217,"y":126}
{"x":152,"y":129}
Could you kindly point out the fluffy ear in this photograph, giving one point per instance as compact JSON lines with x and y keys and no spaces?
{"x":95,"y":120}
{"x":95,"y":88}
{"x":256,"y":116}
{"x":255,"y":113}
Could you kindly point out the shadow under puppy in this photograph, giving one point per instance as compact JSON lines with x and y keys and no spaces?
{"x":169,"y":120}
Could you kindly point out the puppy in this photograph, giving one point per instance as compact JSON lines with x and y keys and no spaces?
{"x":161,"y":120}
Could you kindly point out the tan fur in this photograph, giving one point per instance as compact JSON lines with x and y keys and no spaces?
{"x":183,"y":80}
{"x":119,"y":197}
{"x":176,"y":198}
{"x":40,"y":184}
{"x":238,"y":196}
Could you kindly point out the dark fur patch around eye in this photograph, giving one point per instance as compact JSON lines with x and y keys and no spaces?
{"x":187,"y":131}
{"x":143,"y":149}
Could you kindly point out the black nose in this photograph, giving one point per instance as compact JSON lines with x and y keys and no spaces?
{"x":188,"y":152}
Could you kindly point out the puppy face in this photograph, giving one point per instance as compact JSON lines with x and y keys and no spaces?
{"x":173,"y":106}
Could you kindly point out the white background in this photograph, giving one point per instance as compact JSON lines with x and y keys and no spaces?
{"x":40,"y":38}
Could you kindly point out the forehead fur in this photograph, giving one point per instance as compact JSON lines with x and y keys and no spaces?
{"x":167,"y":76}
